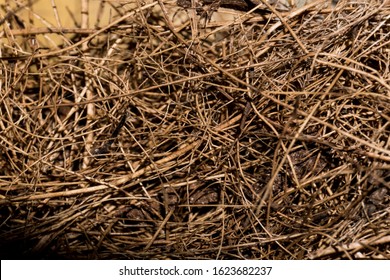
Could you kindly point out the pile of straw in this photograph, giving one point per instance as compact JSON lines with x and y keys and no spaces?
{"x":261,"y":137}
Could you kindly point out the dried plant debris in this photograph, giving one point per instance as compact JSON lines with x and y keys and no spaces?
{"x":165,"y":136}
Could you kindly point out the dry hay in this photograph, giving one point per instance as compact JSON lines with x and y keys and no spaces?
{"x":265,"y":137}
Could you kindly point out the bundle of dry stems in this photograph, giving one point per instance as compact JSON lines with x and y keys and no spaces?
{"x":181,"y":135}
